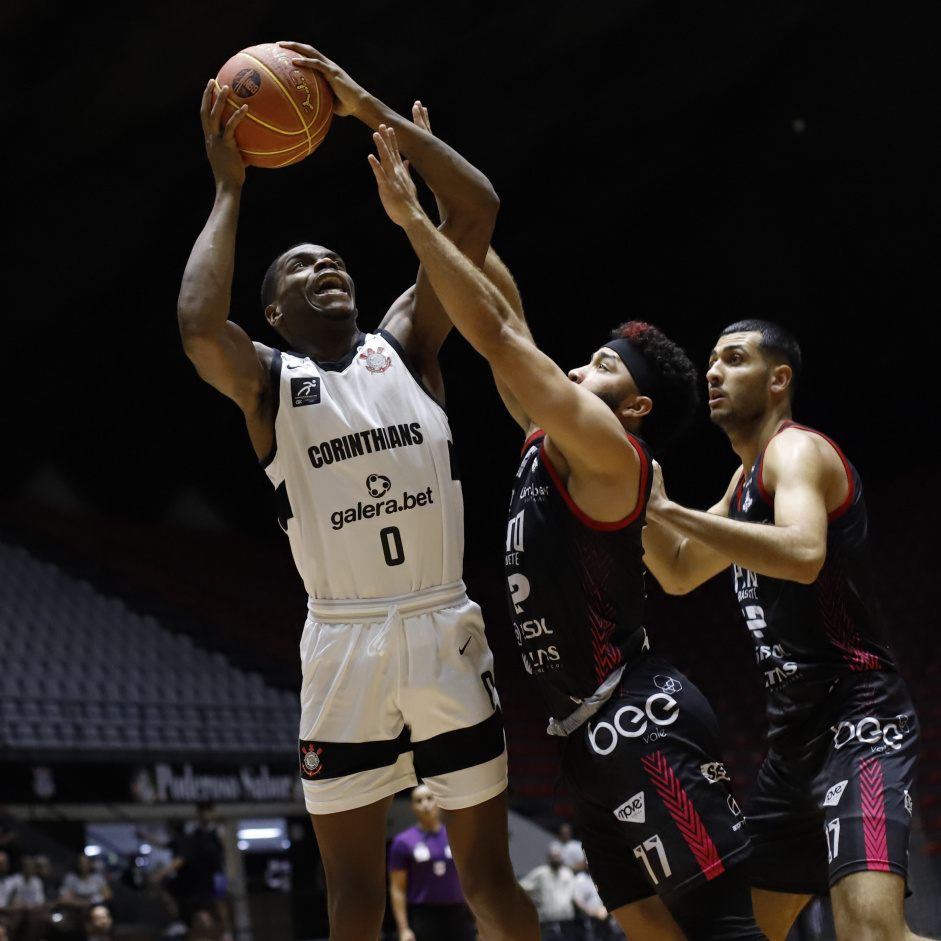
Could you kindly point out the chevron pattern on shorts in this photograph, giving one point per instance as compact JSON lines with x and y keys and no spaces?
{"x":872,"y":799}
{"x":684,"y":815}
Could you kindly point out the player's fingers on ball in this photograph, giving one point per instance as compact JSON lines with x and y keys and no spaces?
{"x":218,"y":107}
{"x":205,"y":103}
{"x":234,"y":122}
{"x":300,"y":47}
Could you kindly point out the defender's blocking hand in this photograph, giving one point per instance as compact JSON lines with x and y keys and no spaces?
{"x":658,"y":494}
{"x":396,"y":187}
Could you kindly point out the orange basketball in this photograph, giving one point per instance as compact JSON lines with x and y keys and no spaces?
{"x":289,"y":108}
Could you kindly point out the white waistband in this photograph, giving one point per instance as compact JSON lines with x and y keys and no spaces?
{"x":363,"y":610}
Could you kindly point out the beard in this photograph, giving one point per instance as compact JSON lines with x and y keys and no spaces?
{"x":746,"y":413}
{"x":611,"y":399}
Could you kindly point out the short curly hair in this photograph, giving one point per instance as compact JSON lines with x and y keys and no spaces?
{"x":677,"y":387}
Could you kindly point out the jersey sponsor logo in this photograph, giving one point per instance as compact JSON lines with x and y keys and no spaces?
{"x":660,"y":710}
{"x":669,"y":684}
{"x":375,"y":360}
{"x":368,"y":511}
{"x":779,"y":672}
{"x":378,"y":485}
{"x":714,"y":771}
{"x":530,"y":630}
{"x":541,"y":659}
{"x":746,"y":584}
{"x":769,"y":652}
{"x":880,"y":734}
{"x":835,"y":793}
{"x":533,"y":492}
{"x":311,"y":763}
{"x":370,"y":441}
{"x":421,"y":853}
{"x":514,"y":532}
{"x":305,"y":391}
{"x":632,"y":810}
{"x":778,"y":676}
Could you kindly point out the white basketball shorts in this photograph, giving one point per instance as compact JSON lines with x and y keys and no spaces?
{"x":397,"y":689}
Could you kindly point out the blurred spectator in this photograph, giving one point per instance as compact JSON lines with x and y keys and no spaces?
{"x":9,"y":917}
{"x":9,"y":838}
{"x":26,"y":895}
{"x":571,"y":848}
{"x":595,"y":922}
{"x":424,"y":889}
{"x":85,"y":886}
{"x":81,"y":889}
{"x":552,"y":888}
{"x":99,"y":925}
{"x":199,"y":862}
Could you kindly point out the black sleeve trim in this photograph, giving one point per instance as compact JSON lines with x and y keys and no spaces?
{"x":274,"y":390}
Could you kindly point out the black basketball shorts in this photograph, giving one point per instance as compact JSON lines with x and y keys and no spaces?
{"x":838,"y":801}
{"x":651,"y":794}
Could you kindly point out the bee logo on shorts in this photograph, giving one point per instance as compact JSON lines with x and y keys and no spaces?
{"x":378,"y":485}
{"x":668,"y":683}
{"x":311,"y":765}
{"x":375,"y":360}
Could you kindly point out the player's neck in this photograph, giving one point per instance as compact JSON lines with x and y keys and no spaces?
{"x":330,"y":345}
{"x":749,"y":441}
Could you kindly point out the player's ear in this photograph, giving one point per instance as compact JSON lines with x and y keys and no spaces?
{"x":781,"y":378}
{"x":273,"y":315}
{"x":638,"y":407}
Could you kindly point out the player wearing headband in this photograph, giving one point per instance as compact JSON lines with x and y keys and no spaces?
{"x":663,"y":835}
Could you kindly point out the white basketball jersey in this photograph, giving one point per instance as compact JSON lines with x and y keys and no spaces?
{"x":363,"y":469}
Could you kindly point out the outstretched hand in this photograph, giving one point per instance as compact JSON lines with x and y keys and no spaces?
{"x":348,"y":95}
{"x":420,"y":119}
{"x":396,"y":187}
{"x":224,"y":156}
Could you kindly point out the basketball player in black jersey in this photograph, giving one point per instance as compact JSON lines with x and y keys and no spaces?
{"x":310,"y":300}
{"x":832,"y":806}
{"x":663,"y":836}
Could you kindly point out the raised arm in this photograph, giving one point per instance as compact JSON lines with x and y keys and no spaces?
{"x":806,"y":479}
{"x":600,"y":458}
{"x":678,"y":563}
{"x":220,"y":350}
{"x":466,"y":200}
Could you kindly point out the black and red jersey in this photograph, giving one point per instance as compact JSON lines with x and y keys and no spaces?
{"x":575,"y":586}
{"x":808,"y":637}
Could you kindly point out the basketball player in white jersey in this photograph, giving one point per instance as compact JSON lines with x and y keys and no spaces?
{"x":398,"y":678}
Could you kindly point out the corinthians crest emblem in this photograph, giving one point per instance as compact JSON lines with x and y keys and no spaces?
{"x":311,"y":764}
{"x":375,"y":360}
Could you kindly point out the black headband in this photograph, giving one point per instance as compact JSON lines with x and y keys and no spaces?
{"x":644,"y":378}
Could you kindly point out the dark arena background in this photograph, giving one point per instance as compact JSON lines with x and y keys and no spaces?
{"x":686,"y":164}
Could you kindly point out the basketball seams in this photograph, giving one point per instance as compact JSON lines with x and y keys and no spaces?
{"x":286,"y":93}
